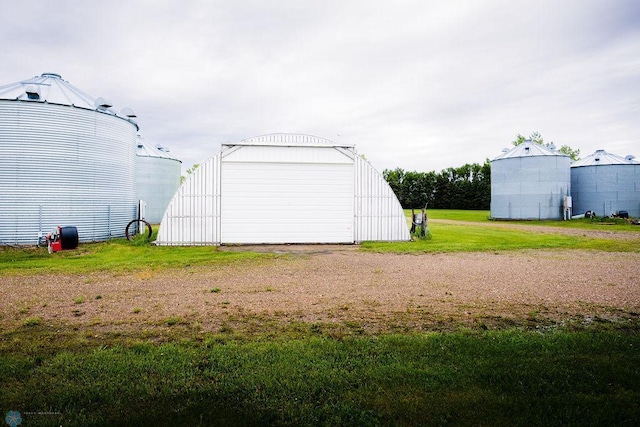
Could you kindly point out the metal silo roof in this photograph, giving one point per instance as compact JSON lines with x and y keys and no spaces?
{"x":528,"y":149}
{"x":53,"y":89}
{"x":147,"y":150}
{"x":601,"y":157}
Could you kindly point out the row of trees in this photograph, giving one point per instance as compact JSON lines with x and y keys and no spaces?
{"x":465,"y":187}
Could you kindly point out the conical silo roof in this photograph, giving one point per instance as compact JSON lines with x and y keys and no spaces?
{"x":601,"y":157}
{"x":146,"y":149}
{"x":51,"y":88}
{"x":528,"y":149}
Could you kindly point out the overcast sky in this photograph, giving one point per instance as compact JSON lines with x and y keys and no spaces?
{"x":421,"y":85}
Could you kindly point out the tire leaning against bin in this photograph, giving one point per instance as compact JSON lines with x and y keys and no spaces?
{"x":137,"y":221}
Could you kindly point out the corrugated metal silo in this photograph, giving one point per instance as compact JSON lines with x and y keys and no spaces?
{"x":530,"y":181}
{"x":283,"y":188}
{"x":157,"y":178}
{"x":605,"y":183}
{"x":66,"y":158}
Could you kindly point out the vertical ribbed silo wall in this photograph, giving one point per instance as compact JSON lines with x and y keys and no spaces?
{"x":157,"y":180}
{"x":61,"y":165}
{"x":605,"y":189}
{"x":529,"y":187}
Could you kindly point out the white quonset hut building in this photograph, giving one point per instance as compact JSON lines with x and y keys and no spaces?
{"x":283,"y":188}
{"x":157,"y":178}
{"x":66,"y":158}
{"x":530,"y":181}
{"x":605,"y":183}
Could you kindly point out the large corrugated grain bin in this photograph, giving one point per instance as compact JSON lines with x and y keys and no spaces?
{"x":66,"y":158}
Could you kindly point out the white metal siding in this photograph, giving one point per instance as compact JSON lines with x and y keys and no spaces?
{"x":61,"y":165}
{"x":287,"y":203}
{"x":287,"y":195}
{"x":193,"y":215}
{"x":378,"y":214}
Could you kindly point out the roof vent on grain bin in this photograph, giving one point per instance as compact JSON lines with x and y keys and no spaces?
{"x":32,"y":91}
{"x":103,"y":103}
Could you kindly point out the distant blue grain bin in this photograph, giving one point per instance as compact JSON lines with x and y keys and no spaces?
{"x":605,"y":183}
{"x":157,"y":178}
{"x":529,"y":181}
{"x":66,"y":158}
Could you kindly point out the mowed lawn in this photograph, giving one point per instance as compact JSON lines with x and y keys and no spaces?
{"x":307,"y":374}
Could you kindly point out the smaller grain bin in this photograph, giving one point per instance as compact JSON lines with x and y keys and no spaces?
{"x":530,"y":181}
{"x":605,"y":183}
{"x":157,"y":178}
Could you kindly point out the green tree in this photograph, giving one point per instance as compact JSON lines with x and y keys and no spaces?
{"x":537,"y":138}
{"x":191,"y":170}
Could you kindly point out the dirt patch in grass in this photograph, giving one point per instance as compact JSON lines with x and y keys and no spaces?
{"x":338,"y":285}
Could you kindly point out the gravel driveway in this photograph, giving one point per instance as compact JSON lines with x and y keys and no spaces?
{"x":333,"y":286}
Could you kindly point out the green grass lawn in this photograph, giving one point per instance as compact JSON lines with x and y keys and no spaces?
{"x":123,"y":256}
{"x":468,"y":237}
{"x":118,"y":255}
{"x":484,"y":216}
{"x":454,"y":214}
{"x":498,"y":378}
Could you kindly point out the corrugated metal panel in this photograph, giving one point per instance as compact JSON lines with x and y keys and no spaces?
{"x":287,"y":195}
{"x":62,"y":165}
{"x":279,"y":154}
{"x":378,"y":213}
{"x":291,"y":139}
{"x":193,"y":215}
{"x":605,"y":189}
{"x":529,"y":187}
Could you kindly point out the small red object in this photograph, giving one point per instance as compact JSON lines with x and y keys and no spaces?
{"x":62,"y":238}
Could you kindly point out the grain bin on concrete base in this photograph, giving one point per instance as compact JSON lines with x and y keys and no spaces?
{"x":605,"y":183}
{"x":157,"y":178}
{"x":283,"y":188}
{"x":66,"y":159}
{"x":530,"y":181}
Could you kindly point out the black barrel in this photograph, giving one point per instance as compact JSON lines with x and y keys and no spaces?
{"x":68,"y":237}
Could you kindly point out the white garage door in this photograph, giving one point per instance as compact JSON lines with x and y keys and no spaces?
{"x":286,"y":202}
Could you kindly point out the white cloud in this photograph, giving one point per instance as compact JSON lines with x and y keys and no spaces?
{"x":420,"y":85}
